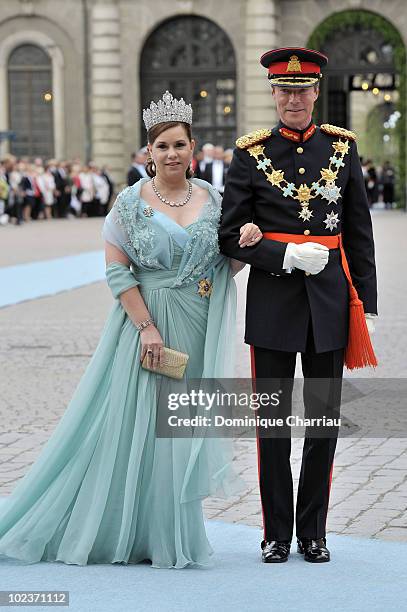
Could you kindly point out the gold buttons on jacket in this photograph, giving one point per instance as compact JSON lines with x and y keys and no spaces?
{"x":301,"y":170}
{"x":300,"y":150}
{"x":307,"y":232}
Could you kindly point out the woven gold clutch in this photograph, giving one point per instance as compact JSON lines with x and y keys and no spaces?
{"x":173,"y":363}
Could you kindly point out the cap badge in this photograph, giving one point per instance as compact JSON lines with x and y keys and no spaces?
{"x":294,"y":65}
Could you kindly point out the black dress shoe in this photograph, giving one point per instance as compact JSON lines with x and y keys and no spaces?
{"x":314,"y":551}
{"x":275,"y":551}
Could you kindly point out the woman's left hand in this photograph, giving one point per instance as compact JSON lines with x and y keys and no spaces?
{"x":250,"y":235}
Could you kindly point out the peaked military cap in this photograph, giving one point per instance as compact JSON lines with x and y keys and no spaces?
{"x":294,"y":66}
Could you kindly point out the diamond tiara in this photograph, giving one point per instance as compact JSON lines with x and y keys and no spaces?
{"x":167,"y":109}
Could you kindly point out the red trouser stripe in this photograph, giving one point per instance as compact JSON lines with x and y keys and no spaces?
{"x":253,"y":371}
{"x":329,"y":491}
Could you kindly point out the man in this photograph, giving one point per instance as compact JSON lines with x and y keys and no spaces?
{"x":388,"y":175}
{"x":303,"y":186}
{"x":137,"y":169}
{"x":63,"y":195}
{"x":215,"y":171}
{"x":207,"y":158}
{"x":110,"y":182}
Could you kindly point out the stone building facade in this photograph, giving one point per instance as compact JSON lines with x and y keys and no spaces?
{"x":93,"y":51}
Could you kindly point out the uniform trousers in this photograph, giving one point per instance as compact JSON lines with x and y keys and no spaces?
{"x":272,"y":370}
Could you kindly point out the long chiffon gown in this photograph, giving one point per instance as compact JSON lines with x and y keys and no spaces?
{"x":105,"y":488}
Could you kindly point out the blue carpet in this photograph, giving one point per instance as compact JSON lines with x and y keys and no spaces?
{"x":40,"y":278}
{"x":363,"y":575}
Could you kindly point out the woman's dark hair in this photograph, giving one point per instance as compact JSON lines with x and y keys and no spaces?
{"x":154,"y":132}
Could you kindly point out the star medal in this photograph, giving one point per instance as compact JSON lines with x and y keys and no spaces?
{"x":331,"y":192}
{"x":331,"y":220}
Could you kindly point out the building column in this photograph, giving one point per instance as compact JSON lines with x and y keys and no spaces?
{"x":107,"y":89}
{"x":260,"y":36}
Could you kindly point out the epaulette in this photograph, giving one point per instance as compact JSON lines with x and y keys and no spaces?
{"x":248,"y":140}
{"x":334,"y":130}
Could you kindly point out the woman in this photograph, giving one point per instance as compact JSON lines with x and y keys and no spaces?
{"x":46,"y":183}
{"x":87,"y":191}
{"x":105,"y":488}
{"x":27,"y":187}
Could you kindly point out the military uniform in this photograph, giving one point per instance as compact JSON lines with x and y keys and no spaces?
{"x":281,"y":305}
{"x":299,"y":183}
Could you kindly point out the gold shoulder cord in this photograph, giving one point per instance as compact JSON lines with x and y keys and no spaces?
{"x":248,"y":140}
{"x":334,"y":130}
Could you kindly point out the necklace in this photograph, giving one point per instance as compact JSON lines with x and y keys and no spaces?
{"x":169,"y":202}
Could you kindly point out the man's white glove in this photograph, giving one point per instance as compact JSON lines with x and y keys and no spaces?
{"x":370,"y":322}
{"x":310,"y":257}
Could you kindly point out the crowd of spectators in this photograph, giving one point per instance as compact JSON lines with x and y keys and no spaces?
{"x":379,"y":182}
{"x":39,"y":189}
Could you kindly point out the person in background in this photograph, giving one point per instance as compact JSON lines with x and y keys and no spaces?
{"x":110,"y":182}
{"x":13,"y":173}
{"x":101,"y":192}
{"x":58,"y":171}
{"x":4,"y":191}
{"x":197,"y":158}
{"x":47,"y":187}
{"x":215,"y":170}
{"x":388,"y":176}
{"x":207,"y":158}
{"x":27,"y":186}
{"x":88,"y":190}
{"x":137,"y":169}
{"x":76,"y":189}
{"x":371,"y":183}
{"x":93,"y":207}
{"x":38,"y":208}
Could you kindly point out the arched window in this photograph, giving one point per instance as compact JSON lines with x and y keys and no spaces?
{"x":30,"y":101}
{"x":192,"y":57}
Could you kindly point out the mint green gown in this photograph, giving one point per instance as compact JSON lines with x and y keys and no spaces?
{"x":105,"y":488}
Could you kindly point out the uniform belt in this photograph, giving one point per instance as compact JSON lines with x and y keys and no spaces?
{"x":332,"y":242}
{"x":359,"y":351}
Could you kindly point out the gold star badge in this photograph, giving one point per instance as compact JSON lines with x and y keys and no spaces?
{"x":256,"y":150}
{"x":328,"y":175}
{"x":276,"y":177}
{"x":341,"y":147}
{"x":304,"y":193}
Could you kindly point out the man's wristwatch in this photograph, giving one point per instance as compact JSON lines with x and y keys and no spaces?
{"x":143,"y":324}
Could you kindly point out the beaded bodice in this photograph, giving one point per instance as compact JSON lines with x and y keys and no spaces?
{"x":153,"y":241}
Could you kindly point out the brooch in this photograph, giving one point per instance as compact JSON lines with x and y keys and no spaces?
{"x":148,"y":211}
{"x":205,"y":287}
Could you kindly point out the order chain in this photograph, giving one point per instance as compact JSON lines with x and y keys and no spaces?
{"x":329,"y":191}
{"x":169,"y":202}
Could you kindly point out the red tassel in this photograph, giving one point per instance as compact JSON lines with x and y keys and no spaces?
{"x":359,"y":352}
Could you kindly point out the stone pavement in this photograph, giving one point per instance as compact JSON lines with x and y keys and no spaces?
{"x":46,"y":343}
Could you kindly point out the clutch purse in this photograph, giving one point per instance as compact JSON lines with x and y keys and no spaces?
{"x":173,"y":363}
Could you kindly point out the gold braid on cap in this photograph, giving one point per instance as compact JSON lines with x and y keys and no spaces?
{"x":334,"y":130}
{"x":248,"y":140}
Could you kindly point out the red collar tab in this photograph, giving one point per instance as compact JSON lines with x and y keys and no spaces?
{"x":297,"y":136}
{"x":311,"y":130}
